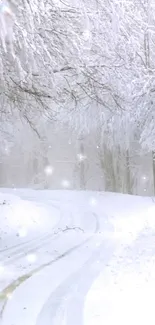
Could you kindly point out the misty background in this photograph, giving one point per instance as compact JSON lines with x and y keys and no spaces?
{"x":77,"y":94}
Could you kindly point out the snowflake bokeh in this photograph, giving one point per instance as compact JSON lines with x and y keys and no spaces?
{"x":9,"y":295}
{"x":31,"y":258}
{"x":93,"y":201}
{"x":65,"y":183}
{"x":81,"y":157}
{"x":48,"y":170}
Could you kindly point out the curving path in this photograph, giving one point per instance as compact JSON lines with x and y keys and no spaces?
{"x":69,"y":258}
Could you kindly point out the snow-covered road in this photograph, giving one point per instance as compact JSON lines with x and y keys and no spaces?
{"x":56,"y":262}
{"x":46,"y":275}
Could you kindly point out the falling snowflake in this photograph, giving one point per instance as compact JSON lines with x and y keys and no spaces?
{"x":9,"y":295}
{"x":7,"y":150}
{"x":31,"y":258}
{"x":93,"y":201}
{"x":81,"y":157}
{"x":65,"y":183}
{"x":48,"y":170}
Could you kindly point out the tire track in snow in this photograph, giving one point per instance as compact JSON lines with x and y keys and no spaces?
{"x":42,"y":244}
{"x":9,"y":249}
{"x":20,"y":246}
{"x":74,"y":305}
{"x":65,"y":301}
{"x":18,"y":249}
{"x":15,"y":284}
{"x":18,"y":253}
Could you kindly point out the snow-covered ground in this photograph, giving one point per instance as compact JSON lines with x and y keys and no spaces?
{"x":76,"y":258}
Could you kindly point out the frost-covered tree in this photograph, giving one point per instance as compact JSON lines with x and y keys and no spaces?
{"x":85,"y":65}
{"x":65,"y":59}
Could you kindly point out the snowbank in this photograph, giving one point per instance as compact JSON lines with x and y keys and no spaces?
{"x":7,"y":199}
{"x":21,"y":216}
{"x":124,"y":292}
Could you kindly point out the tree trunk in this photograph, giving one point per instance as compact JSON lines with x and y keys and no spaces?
{"x":82,"y":168}
{"x":128,"y":176}
{"x":153,"y":170}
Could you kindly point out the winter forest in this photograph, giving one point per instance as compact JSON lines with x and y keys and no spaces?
{"x":77,"y":95}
